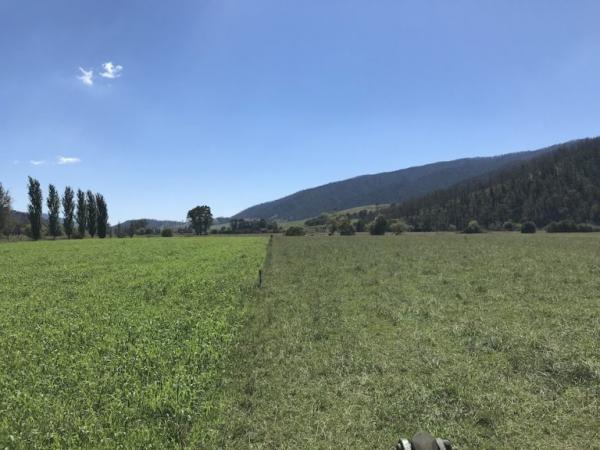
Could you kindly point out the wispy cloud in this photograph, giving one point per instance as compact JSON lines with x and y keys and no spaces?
{"x":86,"y":77}
{"x":37,"y":162}
{"x":111,"y":71}
{"x":68,"y":160}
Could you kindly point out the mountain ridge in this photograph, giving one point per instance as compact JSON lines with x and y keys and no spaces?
{"x":561,"y":185}
{"x":385,"y":187}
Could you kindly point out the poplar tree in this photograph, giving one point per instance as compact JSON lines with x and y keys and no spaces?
{"x":102,"y":216}
{"x":92,"y":213}
{"x":53,"y":203}
{"x":68,"y":211}
{"x":5,"y":208}
{"x":35,"y":208}
{"x":81,"y":213}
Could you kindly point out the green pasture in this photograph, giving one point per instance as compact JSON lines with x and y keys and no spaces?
{"x":119,"y":343}
{"x":491,"y":340}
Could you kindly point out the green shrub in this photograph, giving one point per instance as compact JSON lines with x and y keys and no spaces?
{"x":564,"y":226}
{"x":346,"y":228}
{"x":528,"y":227}
{"x":360,"y":226}
{"x":166,"y":232}
{"x":472,"y":228}
{"x":508,"y":226}
{"x":295,"y":231}
{"x":332,"y":226}
{"x":398,"y":227}
{"x":569,"y":226}
{"x":586,"y":228}
{"x":379,"y":226}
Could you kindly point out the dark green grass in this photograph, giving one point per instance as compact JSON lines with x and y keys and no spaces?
{"x":119,"y":343}
{"x":490,"y":340}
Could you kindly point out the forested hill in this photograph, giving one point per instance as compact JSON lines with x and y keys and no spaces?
{"x":22,"y":218}
{"x":382,"y":188}
{"x":563,"y":184}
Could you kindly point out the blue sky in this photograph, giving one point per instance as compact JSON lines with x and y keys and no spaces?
{"x":233,"y":103}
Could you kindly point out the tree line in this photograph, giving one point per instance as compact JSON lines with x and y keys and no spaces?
{"x":81,"y":212}
{"x":370,"y":221}
{"x":88,"y":211}
{"x":249,"y":226}
{"x":562,"y":185}
{"x":142,"y":227}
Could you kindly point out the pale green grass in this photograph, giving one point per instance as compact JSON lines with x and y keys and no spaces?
{"x":490,"y":340}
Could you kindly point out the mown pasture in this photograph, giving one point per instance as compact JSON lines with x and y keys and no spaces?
{"x":491,"y":340}
{"x":120,"y":343}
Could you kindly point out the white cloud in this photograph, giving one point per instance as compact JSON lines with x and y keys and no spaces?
{"x":86,"y":77}
{"x":111,"y":71}
{"x":37,"y":163}
{"x":68,"y":160}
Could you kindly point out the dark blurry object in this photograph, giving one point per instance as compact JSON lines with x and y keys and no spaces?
{"x":424,"y":441}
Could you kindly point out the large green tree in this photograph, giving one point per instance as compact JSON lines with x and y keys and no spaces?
{"x":102,"y":216}
{"x":53,"y":203}
{"x":81,"y":213}
{"x":35,"y":207}
{"x":92,"y":213}
{"x":379,"y":225}
{"x":68,"y":211}
{"x":5,"y":208}
{"x":200,"y":219}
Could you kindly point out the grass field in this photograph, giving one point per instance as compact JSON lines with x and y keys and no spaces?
{"x":119,"y":343}
{"x":490,"y":340}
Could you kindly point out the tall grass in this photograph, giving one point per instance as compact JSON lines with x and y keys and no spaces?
{"x":490,"y":340}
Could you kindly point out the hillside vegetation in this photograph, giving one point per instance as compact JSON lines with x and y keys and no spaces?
{"x":382,"y":188}
{"x":489,"y":340}
{"x":152,"y":224}
{"x":564,"y":184}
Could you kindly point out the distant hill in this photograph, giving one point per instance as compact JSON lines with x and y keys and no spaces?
{"x":159,"y":224}
{"x":387,"y":187}
{"x":153,"y":224}
{"x":19,"y":218}
{"x":561,"y":185}
{"x":22,"y":218}
{"x":220,"y":220}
